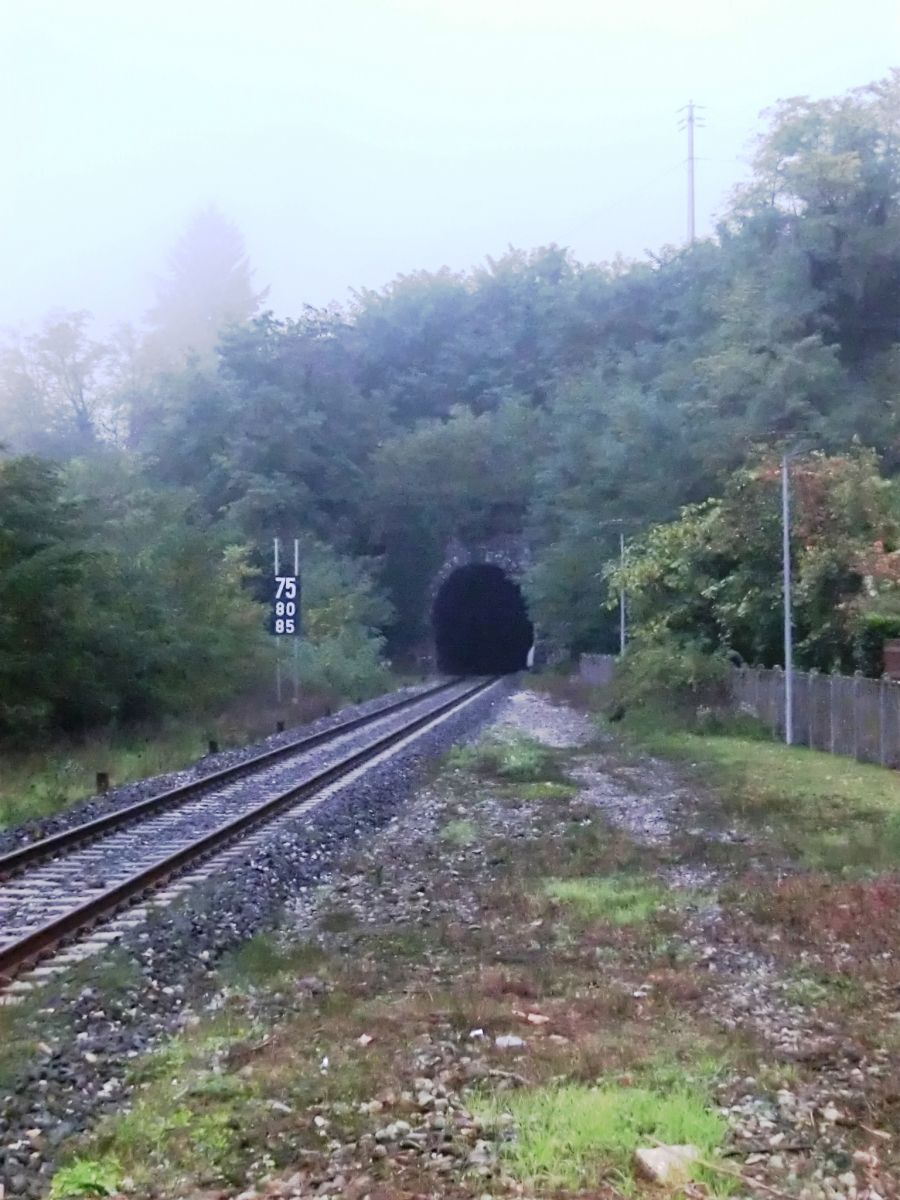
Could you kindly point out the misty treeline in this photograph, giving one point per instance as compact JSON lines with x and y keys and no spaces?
{"x":534,"y":394}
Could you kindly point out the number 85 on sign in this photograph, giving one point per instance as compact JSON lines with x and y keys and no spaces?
{"x":286,"y":606}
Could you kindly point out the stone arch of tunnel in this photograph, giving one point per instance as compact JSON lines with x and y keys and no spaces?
{"x":480,"y":622}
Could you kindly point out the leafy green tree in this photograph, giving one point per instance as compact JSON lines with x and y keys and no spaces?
{"x":714,"y":575}
{"x":118,"y":603}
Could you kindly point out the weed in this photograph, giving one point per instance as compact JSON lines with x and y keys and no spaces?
{"x":86,"y":1177}
{"x":264,"y":957}
{"x":459,"y":833}
{"x":538,"y":793}
{"x":338,"y":919}
{"x":618,"y":899}
{"x":509,"y":756}
{"x":561,"y":1136}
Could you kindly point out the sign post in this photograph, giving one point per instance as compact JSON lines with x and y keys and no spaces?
{"x":285,"y":617}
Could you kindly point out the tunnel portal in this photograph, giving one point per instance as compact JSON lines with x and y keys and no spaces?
{"x":480,"y":622}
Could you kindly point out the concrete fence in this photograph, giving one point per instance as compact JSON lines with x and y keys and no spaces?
{"x":841,"y":714}
{"x":597,"y":669}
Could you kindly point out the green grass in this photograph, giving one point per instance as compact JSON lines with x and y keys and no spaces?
{"x":188,"y":1112}
{"x":564,"y":1136}
{"x":41,"y":783}
{"x":831,"y":812}
{"x":459,"y":833}
{"x":86,"y":1177}
{"x":508,"y":756}
{"x":264,"y":958}
{"x":618,"y":899}
{"x":18,"y":1038}
{"x":539,"y":793}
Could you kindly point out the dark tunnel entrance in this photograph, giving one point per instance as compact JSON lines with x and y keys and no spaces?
{"x":480,"y":623}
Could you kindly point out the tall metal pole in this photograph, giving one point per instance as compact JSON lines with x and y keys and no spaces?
{"x":690,"y":166}
{"x":788,"y":615}
{"x":621,"y":594}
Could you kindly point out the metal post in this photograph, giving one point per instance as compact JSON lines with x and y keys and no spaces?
{"x":621,"y":594}
{"x":788,"y":615}
{"x":881,"y":717}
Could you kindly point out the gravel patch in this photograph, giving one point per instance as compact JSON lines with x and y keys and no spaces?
{"x":539,"y":717}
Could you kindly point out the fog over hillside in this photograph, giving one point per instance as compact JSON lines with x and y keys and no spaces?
{"x":360,"y":139}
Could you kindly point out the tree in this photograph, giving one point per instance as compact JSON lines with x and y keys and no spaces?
{"x":58,"y":395}
{"x":209,"y":286}
{"x":714,"y":576}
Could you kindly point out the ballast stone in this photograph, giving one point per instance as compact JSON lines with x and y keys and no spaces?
{"x":668,"y":1165}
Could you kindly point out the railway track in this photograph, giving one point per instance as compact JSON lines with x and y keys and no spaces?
{"x":53,"y":891}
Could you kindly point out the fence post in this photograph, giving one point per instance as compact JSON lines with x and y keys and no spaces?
{"x":831,"y":680}
{"x":882,"y":706}
{"x":857,"y":677}
{"x":811,"y":678}
{"x":779,"y":703}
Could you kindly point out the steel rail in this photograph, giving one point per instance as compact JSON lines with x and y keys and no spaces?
{"x":46,"y":847}
{"x":28,"y":950}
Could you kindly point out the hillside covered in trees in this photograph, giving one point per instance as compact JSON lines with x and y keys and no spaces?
{"x":145,"y":474}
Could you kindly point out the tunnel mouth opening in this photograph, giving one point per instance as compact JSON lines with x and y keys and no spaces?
{"x":480,"y":622}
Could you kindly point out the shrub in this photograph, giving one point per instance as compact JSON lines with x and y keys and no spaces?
{"x":665,"y":669}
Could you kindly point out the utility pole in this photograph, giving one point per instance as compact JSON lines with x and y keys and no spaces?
{"x":788,"y":614}
{"x":689,"y":123}
{"x":623,"y":614}
{"x":621,"y":594}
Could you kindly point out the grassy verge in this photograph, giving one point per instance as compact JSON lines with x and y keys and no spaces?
{"x":829,"y":812}
{"x":40,"y":783}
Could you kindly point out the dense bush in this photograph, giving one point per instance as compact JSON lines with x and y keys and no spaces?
{"x":116,"y":604}
{"x":664,"y":669}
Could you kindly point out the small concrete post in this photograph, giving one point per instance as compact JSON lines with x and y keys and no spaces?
{"x":857,"y":679}
{"x":213,"y":746}
{"x":882,"y":719}
{"x":279,"y":726}
{"x":831,"y":711}
{"x":102,"y":781}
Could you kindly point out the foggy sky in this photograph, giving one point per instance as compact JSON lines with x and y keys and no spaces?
{"x":352,"y":140}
